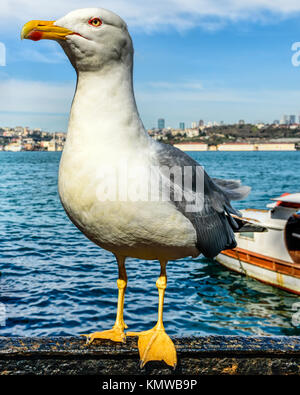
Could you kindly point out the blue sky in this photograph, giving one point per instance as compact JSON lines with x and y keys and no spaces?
{"x":196,"y":59}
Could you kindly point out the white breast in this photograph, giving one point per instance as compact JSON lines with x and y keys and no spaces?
{"x":142,"y":229}
{"x":105,"y":131}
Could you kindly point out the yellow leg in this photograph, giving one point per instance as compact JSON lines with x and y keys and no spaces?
{"x":155,"y":344}
{"x":117,"y":332}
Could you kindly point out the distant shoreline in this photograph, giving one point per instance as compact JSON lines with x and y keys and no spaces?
{"x":185,"y":150}
{"x":237,"y":147}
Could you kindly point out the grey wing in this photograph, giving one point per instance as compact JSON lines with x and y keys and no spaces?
{"x":213,"y":222}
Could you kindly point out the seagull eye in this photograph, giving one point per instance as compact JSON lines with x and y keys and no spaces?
{"x":96,"y":22}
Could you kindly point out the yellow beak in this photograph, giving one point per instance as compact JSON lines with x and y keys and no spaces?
{"x":37,"y":30}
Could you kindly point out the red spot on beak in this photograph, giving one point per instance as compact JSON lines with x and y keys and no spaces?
{"x":35,"y":35}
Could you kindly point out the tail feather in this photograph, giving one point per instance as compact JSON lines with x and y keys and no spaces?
{"x":233,"y":188}
{"x":228,"y":184}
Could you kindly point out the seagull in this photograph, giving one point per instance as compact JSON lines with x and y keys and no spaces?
{"x":109,"y":161}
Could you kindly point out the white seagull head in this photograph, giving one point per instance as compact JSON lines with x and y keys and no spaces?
{"x":92,"y":38}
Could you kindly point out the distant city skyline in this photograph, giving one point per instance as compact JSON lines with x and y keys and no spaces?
{"x":284,"y":120}
{"x":162,"y":124}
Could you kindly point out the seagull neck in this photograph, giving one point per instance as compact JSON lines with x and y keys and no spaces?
{"x":104,"y":108}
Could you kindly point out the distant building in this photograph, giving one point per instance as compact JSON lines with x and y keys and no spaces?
{"x":275,"y":147}
{"x":276,"y":122}
{"x":49,"y":145}
{"x":235,"y":147}
{"x":201,"y":122}
{"x":194,"y":132}
{"x":294,"y":126}
{"x":192,"y":146}
{"x":260,"y":125}
{"x":28,"y":147}
{"x":14,"y":147}
{"x":285,"y":120}
{"x":177,"y":132}
{"x":28,"y":140}
{"x":161,"y":123}
{"x":288,"y":120}
{"x":181,"y":125}
{"x":26,"y":131}
{"x":19,"y":130}
{"x":194,"y":125}
{"x":292,"y":119}
{"x":241,"y":122}
{"x":256,"y":147}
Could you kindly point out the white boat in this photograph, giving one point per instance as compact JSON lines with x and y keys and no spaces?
{"x":273,"y":256}
{"x":13,"y":147}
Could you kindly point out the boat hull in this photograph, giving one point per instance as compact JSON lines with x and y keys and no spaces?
{"x":268,"y":270}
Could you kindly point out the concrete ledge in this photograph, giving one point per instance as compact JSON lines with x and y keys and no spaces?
{"x":207,"y":355}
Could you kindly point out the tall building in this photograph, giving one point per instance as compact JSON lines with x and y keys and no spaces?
{"x":19,"y":130}
{"x":285,"y":119}
{"x":161,"y":123}
{"x":181,"y":125}
{"x":194,"y":125}
{"x":292,"y":119}
{"x":201,"y":122}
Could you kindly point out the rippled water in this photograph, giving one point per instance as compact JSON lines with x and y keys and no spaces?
{"x":56,"y":282}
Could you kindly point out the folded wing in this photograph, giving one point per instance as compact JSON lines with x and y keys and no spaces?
{"x":214,"y":219}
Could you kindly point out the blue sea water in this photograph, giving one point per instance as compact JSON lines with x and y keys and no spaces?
{"x":56,"y":282}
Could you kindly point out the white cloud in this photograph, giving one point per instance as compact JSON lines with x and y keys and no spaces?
{"x":49,"y":122}
{"x":176,"y":104}
{"x":35,"y":97}
{"x":188,"y":93}
{"x":157,"y":14}
{"x":50,"y":52}
{"x":35,"y":104}
{"x":185,"y":85}
{"x":34,"y":55}
{"x":47,"y":105}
